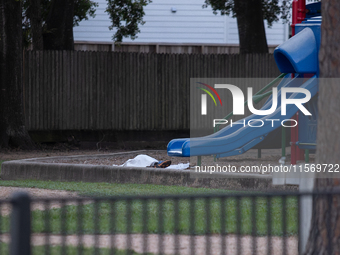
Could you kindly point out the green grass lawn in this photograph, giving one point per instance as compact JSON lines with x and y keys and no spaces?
{"x":118,"y":218}
{"x":111,"y":189}
{"x":122,"y":221}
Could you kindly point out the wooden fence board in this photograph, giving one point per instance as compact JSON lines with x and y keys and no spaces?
{"x":82,"y":90}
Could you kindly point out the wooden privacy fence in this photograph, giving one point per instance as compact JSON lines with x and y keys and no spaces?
{"x":82,"y":90}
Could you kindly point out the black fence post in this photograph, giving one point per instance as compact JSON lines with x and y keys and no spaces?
{"x":21,"y":225}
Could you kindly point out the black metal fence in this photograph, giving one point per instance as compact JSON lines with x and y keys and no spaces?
{"x":237,"y":223}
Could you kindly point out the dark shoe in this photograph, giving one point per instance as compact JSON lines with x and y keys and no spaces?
{"x":161,"y":164}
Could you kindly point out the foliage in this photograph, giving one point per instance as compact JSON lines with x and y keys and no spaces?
{"x":125,"y":16}
{"x":83,"y":9}
{"x":272,"y":10}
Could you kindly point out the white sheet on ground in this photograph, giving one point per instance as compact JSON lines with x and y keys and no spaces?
{"x":140,"y":161}
{"x":180,"y":166}
{"x":145,"y":160}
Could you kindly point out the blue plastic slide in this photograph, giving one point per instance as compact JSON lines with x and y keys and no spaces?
{"x":298,"y":55}
{"x":237,"y":139}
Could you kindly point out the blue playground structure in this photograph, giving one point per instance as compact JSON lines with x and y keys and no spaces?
{"x":296,"y":58}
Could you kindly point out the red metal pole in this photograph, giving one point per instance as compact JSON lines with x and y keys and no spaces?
{"x":295,"y":15}
{"x":301,"y":10}
{"x":299,"y":14}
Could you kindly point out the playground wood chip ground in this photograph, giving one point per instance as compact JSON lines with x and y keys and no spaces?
{"x":250,"y":158}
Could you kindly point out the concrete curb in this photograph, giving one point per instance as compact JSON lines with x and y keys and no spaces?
{"x":41,"y":169}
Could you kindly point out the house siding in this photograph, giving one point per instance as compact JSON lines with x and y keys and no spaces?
{"x":190,"y":24}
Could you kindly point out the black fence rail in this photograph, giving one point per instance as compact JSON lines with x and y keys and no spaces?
{"x":227,"y":224}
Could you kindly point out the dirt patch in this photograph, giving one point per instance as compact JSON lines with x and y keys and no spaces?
{"x":121,"y":159}
{"x":7,"y":192}
{"x":170,"y":244}
{"x":21,"y":154}
{"x":269,"y":156}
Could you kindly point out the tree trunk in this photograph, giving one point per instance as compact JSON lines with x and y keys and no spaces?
{"x":34,"y":14}
{"x":252,"y":34}
{"x":59,"y":26}
{"x":324,"y":237}
{"x":12,"y":129}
